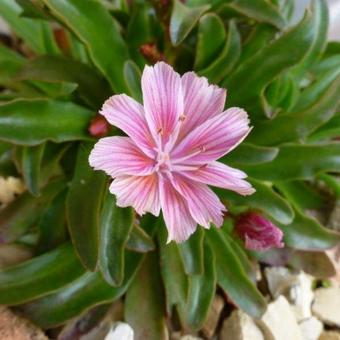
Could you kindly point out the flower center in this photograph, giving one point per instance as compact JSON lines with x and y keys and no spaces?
{"x":163,"y":162}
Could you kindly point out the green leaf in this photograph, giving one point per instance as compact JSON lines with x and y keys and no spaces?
{"x":264,"y":199}
{"x":32,"y":122}
{"x":174,"y":278}
{"x":83,"y":293}
{"x":139,"y":31}
{"x":302,"y":196}
{"x":50,"y":164}
{"x":251,"y":78}
{"x":115,"y":227}
{"x":31,"y":165}
{"x":232,"y":278}
{"x":259,"y":10}
{"x":192,"y":253}
{"x":331,"y":182}
{"x":320,"y":29}
{"x":83,"y":205}
{"x":202,"y":289}
{"x":52,"y":224}
{"x":329,"y":130}
{"x":183,"y":19}
{"x":208,"y":49}
{"x":260,"y":36}
{"x":238,"y":249}
{"x":39,"y":276}
{"x":139,"y":240}
{"x":132,"y":76}
{"x":31,"y":9}
{"x":305,"y":233}
{"x":17,"y":217}
{"x":37,"y":34}
{"x":298,"y":125}
{"x":315,"y":91}
{"x":89,"y":20}
{"x":144,"y":302}
{"x":296,"y":161}
{"x":7,"y":167}
{"x":250,"y":154}
{"x":93,"y":89}
{"x":10,"y":64}
{"x":226,"y":61}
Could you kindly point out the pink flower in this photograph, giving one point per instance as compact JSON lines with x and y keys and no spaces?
{"x":169,"y":157}
{"x":258,"y":233}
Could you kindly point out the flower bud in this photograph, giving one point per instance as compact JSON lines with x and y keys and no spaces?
{"x":99,"y":127}
{"x":61,"y":39}
{"x":258,"y":233}
{"x":151,"y":53}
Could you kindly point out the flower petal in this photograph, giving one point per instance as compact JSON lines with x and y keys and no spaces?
{"x":176,"y":214}
{"x":204,"y":205}
{"x":213,"y":139}
{"x":163,"y":100}
{"x":223,"y":176}
{"x":120,"y":156}
{"x":140,"y":192}
{"x":201,"y":101}
{"x":128,"y":115}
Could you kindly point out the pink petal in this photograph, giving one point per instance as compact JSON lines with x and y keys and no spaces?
{"x":120,"y":156}
{"x":204,"y":205}
{"x":223,"y":176}
{"x":213,"y":139}
{"x":128,"y":115}
{"x":201,"y":101}
{"x":140,"y":192}
{"x":163,"y":100}
{"x":176,"y":214}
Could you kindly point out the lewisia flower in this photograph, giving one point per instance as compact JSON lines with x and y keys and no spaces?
{"x":258,"y":233}
{"x":170,"y":155}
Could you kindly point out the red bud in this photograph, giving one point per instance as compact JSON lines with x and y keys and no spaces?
{"x":99,"y":127}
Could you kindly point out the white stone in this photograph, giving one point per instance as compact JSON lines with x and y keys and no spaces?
{"x":190,"y":337}
{"x":279,"y":321}
{"x":296,"y":286}
{"x":9,"y":187}
{"x":120,"y":331}
{"x":240,"y":326}
{"x":311,"y":328}
{"x":326,"y":305}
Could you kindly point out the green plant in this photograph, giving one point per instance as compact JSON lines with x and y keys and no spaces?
{"x":89,"y":252}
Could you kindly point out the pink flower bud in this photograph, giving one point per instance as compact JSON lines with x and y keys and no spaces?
{"x":99,"y":127}
{"x":258,"y":233}
{"x":151,"y":53}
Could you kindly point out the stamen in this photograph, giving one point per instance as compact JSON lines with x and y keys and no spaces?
{"x":182,"y":117}
{"x":202,"y":148}
{"x":160,"y":131}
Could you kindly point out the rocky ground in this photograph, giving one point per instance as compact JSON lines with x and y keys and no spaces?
{"x":301,"y":307}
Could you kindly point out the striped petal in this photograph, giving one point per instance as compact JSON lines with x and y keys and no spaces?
{"x":201,"y":101}
{"x":204,"y":205}
{"x":128,"y":115}
{"x":120,"y":156}
{"x":139,"y":192}
{"x":213,"y":139}
{"x":176,"y":214}
{"x":163,"y":100}
{"x":220,"y":175}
